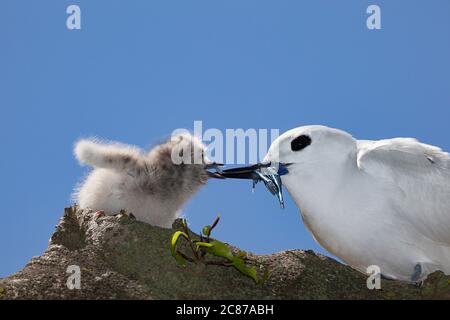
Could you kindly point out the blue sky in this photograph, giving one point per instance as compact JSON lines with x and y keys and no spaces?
{"x":139,"y":69}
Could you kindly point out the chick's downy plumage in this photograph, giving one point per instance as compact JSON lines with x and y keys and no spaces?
{"x":152,"y":185}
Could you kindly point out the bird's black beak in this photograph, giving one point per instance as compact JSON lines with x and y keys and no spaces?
{"x":250,"y":172}
{"x":214,"y":174}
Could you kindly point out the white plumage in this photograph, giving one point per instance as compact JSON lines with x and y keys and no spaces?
{"x":148,"y":184}
{"x":384,"y":203}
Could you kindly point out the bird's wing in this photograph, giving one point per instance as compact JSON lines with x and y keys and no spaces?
{"x":419,"y":177}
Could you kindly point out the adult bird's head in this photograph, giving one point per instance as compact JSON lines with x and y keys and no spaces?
{"x":306,"y":155}
{"x":310,"y":148}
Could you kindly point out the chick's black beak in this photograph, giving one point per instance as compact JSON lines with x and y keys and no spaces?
{"x":214,"y":166}
{"x":216,"y":175}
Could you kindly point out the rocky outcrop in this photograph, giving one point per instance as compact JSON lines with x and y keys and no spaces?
{"x":121,"y":258}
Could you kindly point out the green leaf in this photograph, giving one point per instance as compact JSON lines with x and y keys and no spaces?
{"x":206,"y":230}
{"x":239,"y":264}
{"x":204,"y":244}
{"x":220,"y":249}
{"x":179,"y":258}
{"x":173,"y":244}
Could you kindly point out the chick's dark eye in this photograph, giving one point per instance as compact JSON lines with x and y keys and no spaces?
{"x":300,"y":142}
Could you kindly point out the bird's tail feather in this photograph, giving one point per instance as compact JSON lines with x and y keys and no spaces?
{"x":113,"y":156}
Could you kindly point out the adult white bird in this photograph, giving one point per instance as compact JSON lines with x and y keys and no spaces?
{"x":384,"y":203}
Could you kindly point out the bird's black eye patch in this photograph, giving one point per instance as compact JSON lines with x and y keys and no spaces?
{"x":300,"y":142}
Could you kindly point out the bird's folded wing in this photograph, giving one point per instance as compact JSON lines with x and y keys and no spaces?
{"x":419,"y":176}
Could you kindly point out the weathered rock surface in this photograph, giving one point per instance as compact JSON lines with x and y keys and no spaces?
{"x":121,"y":258}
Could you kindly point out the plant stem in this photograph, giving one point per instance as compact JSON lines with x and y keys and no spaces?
{"x":185,"y":256}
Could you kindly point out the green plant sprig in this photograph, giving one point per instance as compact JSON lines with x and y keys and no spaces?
{"x":206,"y":245}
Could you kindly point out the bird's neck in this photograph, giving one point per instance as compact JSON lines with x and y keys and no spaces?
{"x":317,"y":191}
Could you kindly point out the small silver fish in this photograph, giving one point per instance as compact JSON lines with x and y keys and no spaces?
{"x":272,"y":181}
{"x":267,"y":173}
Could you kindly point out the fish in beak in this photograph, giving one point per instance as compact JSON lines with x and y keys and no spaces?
{"x":269,"y":173}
